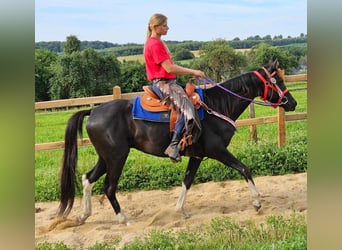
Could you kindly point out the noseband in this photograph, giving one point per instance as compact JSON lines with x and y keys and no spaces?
{"x":271,"y":83}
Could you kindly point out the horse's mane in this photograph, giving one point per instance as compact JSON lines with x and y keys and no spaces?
{"x":219,"y":100}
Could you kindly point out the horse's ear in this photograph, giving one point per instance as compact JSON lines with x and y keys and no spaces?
{"x":275,"y":64}
{"x":272,"y":65}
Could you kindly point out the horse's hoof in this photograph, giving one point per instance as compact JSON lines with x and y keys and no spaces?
{"x":80,"y":220}
{"x":130,"y":222}
{"x":257,"y":205}
{"x":186,"y":216}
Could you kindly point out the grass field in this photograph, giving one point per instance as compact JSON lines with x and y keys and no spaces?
{"x":222,"y":233}
{"x":139,"y":58}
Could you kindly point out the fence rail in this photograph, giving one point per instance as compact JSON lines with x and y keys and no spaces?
{"x":280,"y":118}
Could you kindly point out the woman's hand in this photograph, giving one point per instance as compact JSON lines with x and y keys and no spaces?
{"x":198,"y":73}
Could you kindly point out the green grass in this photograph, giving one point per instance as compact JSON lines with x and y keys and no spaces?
{"x":50,"y":126}
{"x":223,"y":232}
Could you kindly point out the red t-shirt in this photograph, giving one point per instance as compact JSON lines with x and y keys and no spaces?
{"x":155,"y":53}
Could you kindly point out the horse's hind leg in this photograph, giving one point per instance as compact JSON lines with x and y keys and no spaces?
{"x":88,"y":181}
{"x":114,"y":171}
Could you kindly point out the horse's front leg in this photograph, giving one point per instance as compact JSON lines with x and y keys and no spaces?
{"x":228,"y":159}
{"x":255,"y":194}
{"x":190,"y":173}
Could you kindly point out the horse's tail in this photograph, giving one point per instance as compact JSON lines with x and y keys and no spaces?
{"x":68,"y":180}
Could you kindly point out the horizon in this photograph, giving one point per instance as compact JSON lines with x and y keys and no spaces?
{"x":165,"y":40}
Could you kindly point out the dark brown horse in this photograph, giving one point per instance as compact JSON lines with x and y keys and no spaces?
{"x":113,"y":131}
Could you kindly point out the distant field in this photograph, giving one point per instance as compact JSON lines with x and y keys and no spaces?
{"x":242,"y":50}
{"x":140,"y":57}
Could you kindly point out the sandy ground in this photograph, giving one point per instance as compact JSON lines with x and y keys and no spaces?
{"x":281,"y":195}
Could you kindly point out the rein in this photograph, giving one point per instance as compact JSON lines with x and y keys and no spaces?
{"x":212,"y":112}
{"x":271,"y":83}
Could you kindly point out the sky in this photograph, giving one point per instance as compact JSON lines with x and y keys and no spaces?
{"x":125,"y":21}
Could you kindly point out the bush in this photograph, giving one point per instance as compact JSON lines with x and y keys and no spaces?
{"x":147,"y":172}
{"x":271,"y":160}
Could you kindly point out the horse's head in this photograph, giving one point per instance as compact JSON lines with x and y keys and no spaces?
{"x":274,"y":89}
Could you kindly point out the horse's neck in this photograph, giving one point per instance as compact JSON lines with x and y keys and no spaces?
{"x":239,"y":110}
{"x":243,"y":86}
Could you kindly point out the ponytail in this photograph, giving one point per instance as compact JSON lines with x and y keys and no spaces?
{"x":149,"y":31}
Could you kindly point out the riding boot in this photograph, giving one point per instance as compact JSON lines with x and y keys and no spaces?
{"x":173,"y":149}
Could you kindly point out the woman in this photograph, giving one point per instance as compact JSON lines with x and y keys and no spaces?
{"x":162,"y":72}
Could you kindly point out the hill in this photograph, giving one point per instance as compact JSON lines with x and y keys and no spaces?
{"x":136,"y":49}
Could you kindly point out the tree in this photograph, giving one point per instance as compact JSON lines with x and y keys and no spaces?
{"x":82,"y":74}
{"x":278,"y":37}
{"x":72,"y":44}
{"x":182,"y":54}
{"x":218,"y":60}
{"x":263,"y":53}
{"x":43,"y":72}
{"x":133,"y":76}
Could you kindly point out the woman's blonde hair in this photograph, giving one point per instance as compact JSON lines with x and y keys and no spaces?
{"x":156,"y":19}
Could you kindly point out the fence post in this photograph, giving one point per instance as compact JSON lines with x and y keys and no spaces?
{"x":252,"y":129}
{"x":116,"y":92}
{"x":281,"y":127}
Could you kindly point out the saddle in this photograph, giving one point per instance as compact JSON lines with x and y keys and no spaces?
{"x":151,"y":102}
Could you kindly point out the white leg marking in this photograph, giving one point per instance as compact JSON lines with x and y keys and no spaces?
{"x":181,"y":198}
{"x":123,"y":219}
{"x":254,"y":190}
{"x":86,"y":200}
{"x":255,"y":193}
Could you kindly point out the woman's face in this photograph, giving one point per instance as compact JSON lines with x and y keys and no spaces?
{"x":161,"y":29}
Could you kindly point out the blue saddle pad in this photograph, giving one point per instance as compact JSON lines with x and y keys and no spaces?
{"x":138,"y":112}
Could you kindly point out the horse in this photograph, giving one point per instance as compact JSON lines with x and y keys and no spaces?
{"x":113,"y":131}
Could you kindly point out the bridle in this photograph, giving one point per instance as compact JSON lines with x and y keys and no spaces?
{"x":271,"y":83}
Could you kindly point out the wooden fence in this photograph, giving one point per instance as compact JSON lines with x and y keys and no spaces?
{"x":280,"y":118}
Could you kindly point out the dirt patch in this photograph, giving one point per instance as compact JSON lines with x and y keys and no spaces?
{"x":156,"y":209}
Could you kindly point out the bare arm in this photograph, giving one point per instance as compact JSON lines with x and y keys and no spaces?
{"x":179,"y":70}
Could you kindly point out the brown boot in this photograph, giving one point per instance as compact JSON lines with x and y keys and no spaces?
{"x":173,"y":149}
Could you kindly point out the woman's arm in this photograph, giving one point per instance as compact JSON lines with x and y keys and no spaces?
{"x":179,"y":70}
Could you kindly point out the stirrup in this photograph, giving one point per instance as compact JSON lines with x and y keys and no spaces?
{"x":170,"y":151}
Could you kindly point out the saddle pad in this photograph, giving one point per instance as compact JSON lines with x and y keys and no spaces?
{"x":138,"y":112}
